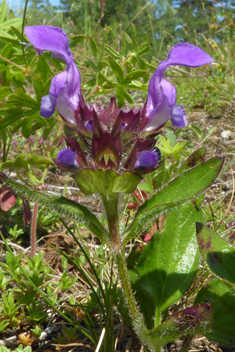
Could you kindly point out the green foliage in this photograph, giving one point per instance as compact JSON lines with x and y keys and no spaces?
{"x":221,"y":295}
{"x":189,"y":184}
{"x":168,"y":149}
{"x":61,"y":205}
{"x":217,"y":253}
{"x":20,"y":348}
{"x":7,"y":20}
{"x":168,"y":264}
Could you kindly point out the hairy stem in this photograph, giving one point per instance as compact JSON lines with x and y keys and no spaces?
{"x":126,"y":285}
{"x":110,"y":202}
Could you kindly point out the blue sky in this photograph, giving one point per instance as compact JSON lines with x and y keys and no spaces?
{"x":14,"y":4}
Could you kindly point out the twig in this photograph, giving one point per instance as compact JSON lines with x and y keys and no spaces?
{"x":14,"y":245}
{"x":100,"y":340}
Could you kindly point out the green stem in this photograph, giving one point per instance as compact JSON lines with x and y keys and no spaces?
{"x":110,"y":202}
{"x":22,"y":31}
{"x":126,"y":285}
{"x":187,"y":341}
{"x":158,"y":318}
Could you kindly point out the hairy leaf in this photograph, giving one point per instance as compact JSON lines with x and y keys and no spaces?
{"x":169,"y":262}
{"x":187,"y":185}
{"x":221,"y":295}
{"x":193,"y":320}
{"x":217,"y":253}
{"x":60,"y":205}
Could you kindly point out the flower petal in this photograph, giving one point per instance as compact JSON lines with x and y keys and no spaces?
{"x":51,"y":39}
{"x":48,"y":104}
{"x":57,"y":83}
{"x":66,"y":85}
{"x":67,"y":157}
{"x":185,"y":54}
{"x":158,"y":114}
{"x":146,"y":161}
{"x":178,"y":116}
{"x":169,"y":91}
{"x":159,"y":89}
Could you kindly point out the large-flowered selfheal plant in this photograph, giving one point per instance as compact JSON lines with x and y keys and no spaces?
{"x":109,"y":151}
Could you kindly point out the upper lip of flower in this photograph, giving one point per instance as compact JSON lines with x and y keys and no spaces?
{"x":65,"y":87}
{"x":162,"y":94}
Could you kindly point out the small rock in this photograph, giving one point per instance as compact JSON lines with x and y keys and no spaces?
{"x":226,"y":135}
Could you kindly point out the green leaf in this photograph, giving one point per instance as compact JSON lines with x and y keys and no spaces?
{"x":143,"y":49}
{"x":169,"y":261}
{"x":6,"y":51}
{"x":17,"y":106}
{"x":194,"y":159}
{"x":94,"y":47}
{"x":113,"y":52}
{"x":127,"y":38}
{"x":191,"y":321}
{"x":27,"y":127}
{"x":43,"y":68}
{"x":134,"y":75}
{"x":171,"y":136}
{"x":75,"y":39}
{"x":105,"y":182}
{"x":168,"y":149}
{"x":10,"y":39}
{"x":3,"y":325}
{"x":117,"y":69}
{"x":185,"y":186}
{"x":13,"y":22}
{"x":3,"y":11}
{"x":133,"y":34}
{"x":144,"y":64}
{"x":221,"y":295}
{"x":4,"y":92}
{"x":11,"y":14}
{"x":38,"y":87}
{"x":122,"y":95}
{"x":60,"y":205}
{"x":217,"y":253}
{"x":17,"y":32}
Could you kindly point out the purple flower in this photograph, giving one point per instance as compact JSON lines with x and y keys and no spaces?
{"x":65,"y":87}
{"x":67,"y":158}
{"x":147,"y":160}
{"x":15,"y":144}
{"x":41,"y":140}
{"x":161,"y":99}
